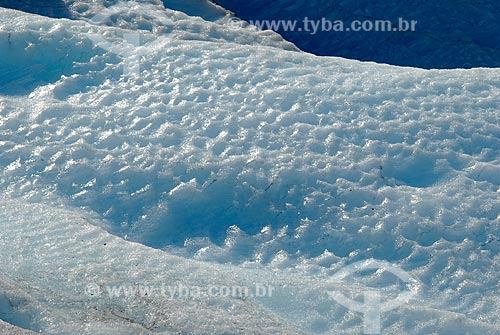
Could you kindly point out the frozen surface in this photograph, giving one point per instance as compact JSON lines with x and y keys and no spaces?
{"x":53,"y":256}
{"x":74,"y":8}
{"x":449,"y":34}
{"x":252,"y":163}
{"x":8,"y":329}
{"x":185,"y":19}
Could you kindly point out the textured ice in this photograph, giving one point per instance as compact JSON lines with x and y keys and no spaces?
{"x":22,"y":67}
{"x":54,"y":254}
{"x":184,"y":19}
{"x":8,"y":329}
{"x":251,"y":162}
{"x":74,"y":8}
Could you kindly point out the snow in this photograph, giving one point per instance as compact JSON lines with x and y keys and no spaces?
{"x":228,"y":158}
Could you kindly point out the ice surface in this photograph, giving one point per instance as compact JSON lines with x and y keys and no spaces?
{"x":181,"y":19}
{"x":8,"y":329}
{"x":55,"y":255}
{"x":253,"y":163}
{"x":202,"y":8}
{"x":74,"y":8}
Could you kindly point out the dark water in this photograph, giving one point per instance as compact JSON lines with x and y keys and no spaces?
{"x":50,"y":8}
{"x":449,"y":33}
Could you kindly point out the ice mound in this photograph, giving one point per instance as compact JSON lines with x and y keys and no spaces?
{"x":286,"y":165}
{"x":205,"y":9}
{"x":74,"y":8}
{"x":180,"y":19}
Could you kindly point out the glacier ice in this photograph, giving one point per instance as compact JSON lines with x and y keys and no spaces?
{"x":239,"y":161}
{"x":9,"y":329}
{"x":55,"y":255}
